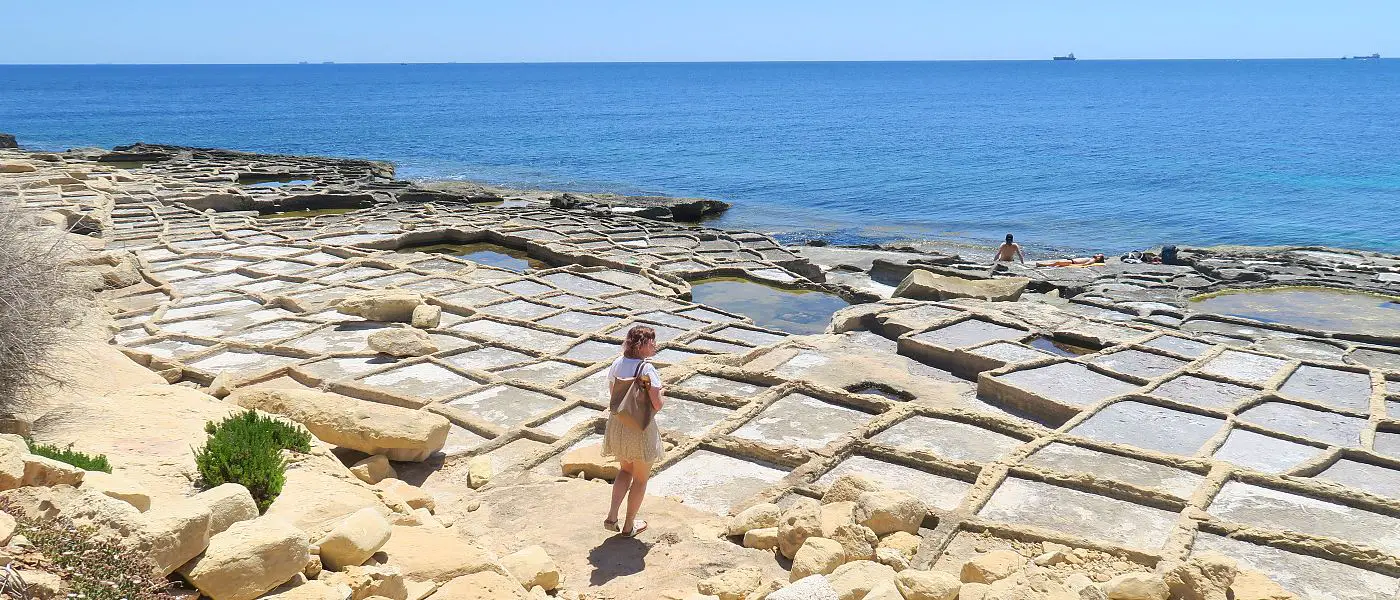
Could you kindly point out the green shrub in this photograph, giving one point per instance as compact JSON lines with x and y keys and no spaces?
{"x":246,"y":449}
{"x":86,"y":462}
{"x":92,"y":569}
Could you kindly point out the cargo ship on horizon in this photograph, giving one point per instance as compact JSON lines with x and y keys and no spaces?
{"x":1069,"y":56}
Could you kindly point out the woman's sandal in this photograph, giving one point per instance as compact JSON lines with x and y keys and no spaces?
{"x":638,"y":527}
{"x":610,"y":525}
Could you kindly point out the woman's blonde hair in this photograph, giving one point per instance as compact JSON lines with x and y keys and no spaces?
{"x":636,"y":338}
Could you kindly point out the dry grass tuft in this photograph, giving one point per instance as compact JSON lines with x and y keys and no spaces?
{"x":36,"y":305}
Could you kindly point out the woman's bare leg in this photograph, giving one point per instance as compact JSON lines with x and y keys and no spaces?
{"x":637,"y":493}
{"x":620,"y":487}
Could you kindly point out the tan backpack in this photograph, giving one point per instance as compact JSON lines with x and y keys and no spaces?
{"x":631,"y":400}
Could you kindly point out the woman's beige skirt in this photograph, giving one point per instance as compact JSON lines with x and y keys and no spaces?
{"x":627,"y":444}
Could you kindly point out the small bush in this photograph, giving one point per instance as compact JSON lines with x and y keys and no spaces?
{"x":86,"y":462}
{"x":92,"y":569}
{"x":247,"y":449}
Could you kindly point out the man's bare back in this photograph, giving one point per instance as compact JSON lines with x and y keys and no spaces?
{"x":1009,"y":252}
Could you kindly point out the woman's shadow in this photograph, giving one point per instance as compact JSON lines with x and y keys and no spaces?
{"x":617,"y":556}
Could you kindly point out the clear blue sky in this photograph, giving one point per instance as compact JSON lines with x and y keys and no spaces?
{"x":265,"y":31}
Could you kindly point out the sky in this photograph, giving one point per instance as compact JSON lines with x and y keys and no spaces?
{"x":281,"y":31}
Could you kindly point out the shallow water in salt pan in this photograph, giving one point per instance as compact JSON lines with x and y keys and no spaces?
{"x":800,"y":312}
{"x":1312,"y":308}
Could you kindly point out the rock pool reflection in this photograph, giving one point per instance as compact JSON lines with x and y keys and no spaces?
{"x":794,"y":311}
{"x":1325,"y":309}
{"x":486,"y":253}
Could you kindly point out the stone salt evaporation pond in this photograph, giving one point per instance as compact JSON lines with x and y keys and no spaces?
{"x":1310,"y":308}
{"x":491,"y":255}
{"x":800,"y":312}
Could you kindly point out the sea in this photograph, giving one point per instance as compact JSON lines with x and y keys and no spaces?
{"x":1071,"y":157}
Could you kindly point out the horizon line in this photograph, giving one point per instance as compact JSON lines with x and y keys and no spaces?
{"x":665,"y":62}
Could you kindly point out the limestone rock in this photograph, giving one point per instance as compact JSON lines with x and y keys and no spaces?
{"x":381,"y":305}
{"x":43,"y":585}
{"x":854,"y":580}
{"x":7,"y":528}
{"x":41,"y":471}
{"x":927,"y":585}
{"x":925,"y":285}
{"x":427,"y":316}
{"x":836,"y":514}
{"x":758,"y":516}
{"x":484,"y":585}
{"x":815,"y":587}
{"x":590,"y":461}
{"x":7,"y":141}
{"x":248,"y":559}
{"x":892,"y":558}
{"x":11,"y":466}
{"x":398,"y":433}
{"x":412,"y":495}
{"x":817,"y":556}
{"x":16,"y":167}
{"x":428,"y":554}
{"x":479,"y":471}
{"x":418,"y":590}
{"x":310,"y":590}
{"x":888,"y":511}
{"x":857,"y":540}
{"x":1253,"y":585}
{"x":992,"y":566}
{"x":883,"y":591}
{"x":801,"y":521}
{"x":119,"y":487}
{"x":176,"y":532}
{"x":734,"y":584}
{"x":761,"y":539}
{"x":402,"y":341}
{"x":228,"y":504}
{"x":532,"y":566}
{"x":316,"y":501}
{"x":1137,"y":586}
{"x":374,"y":469}
{"x":1204,"y":577}
{"x":354,"y":539}
{"x":906,"y":543}
{"x":973,"y":591}
{"x":384,"y":581}
{"x":848,"y":488}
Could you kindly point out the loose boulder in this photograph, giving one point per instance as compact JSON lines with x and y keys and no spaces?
{"x":248,"y":559}
{"x":925,"y":285}
{"x":815,"y":587}
{"x":427,"y":316}
{"x":797,"y":524}
{"x":398,"y":433}
{"x":855,"y":580}
{"x":758,"y":516}
{"x":991,"y":567}
{"x":1137,"y":586}
{"x":402,"y":342}
{"x":485,"y":585}
{"x":374,"y":469}
{"x":352,"y":541}
{"x":848,"y":488}
{"x":381,"y":305}
{"x":817,"y":556}
{"x":532,"y":566}
{"x":121,"y":488}
{"x":590,"y":461}
{"x":1204,"y":577}
{"x":888,"y":511}
{"x":927,"y":585}
{"x":734,"y":584}
{"x":228,"y":504}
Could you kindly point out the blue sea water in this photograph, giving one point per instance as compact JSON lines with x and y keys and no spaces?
{"x":1091,"y":155}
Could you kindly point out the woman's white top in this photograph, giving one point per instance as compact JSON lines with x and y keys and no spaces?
{"x":625,"y":368}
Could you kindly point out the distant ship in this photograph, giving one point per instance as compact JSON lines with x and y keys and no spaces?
{"x":1069,"y":56}
{"x":1375,"y":56}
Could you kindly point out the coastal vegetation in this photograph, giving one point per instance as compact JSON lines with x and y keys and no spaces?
{"x":246,"y":449}
{"x":35,"y":302}
{"x":84,"y":461}
{"x":89,"y":565}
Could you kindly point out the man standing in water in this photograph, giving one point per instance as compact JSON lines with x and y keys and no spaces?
{"x":1007,"y":251}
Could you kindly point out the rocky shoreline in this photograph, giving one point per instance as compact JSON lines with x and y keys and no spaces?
{"x":1104,"y":413}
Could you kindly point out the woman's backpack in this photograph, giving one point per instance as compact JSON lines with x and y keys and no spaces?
{"x":631,"y":400}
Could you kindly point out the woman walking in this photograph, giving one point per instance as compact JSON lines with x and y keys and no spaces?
{"x":631,"y":436}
